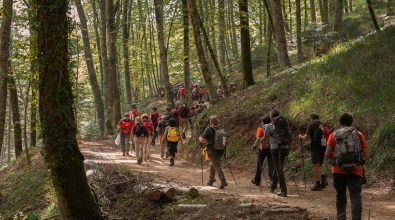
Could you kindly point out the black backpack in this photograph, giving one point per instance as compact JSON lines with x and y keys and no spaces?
{"x":141,"y":131}
{"x":281,"y":130}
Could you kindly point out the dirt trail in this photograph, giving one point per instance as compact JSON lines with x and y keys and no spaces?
{"x":320,"y":205}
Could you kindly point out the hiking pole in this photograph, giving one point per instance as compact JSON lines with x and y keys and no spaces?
{"x":304,"y":171}
{"x":230,"y":170}
{"x":201,"y":163}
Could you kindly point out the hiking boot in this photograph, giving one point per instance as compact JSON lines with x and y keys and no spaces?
{"x":255,"y":183}
{"x":282,"y":194}
{"x":316,"y":187}
{"x":167,"y":154}
{"x":324,"y":182}
{"x":171,"y":162}
{"x":210,"y":182}
{"x":139,"y":161}
{"x":223,"y":184}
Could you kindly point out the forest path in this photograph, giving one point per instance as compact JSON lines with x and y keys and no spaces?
{"x":320,"y":205}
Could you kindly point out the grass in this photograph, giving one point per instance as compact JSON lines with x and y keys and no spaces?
{"x":27,"y":187}
{"x":356,"y":76}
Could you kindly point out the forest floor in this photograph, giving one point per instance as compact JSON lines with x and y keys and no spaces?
{"x":378,"y":203}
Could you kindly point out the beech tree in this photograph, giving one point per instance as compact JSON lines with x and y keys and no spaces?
{"x":61,"y":151}
{"x":246,"y":63}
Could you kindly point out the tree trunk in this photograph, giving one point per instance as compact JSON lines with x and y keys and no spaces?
{"x":338,"y":15}
{"x":61,"y":151}
{"x":112,"y":58}
{"x":246,"y":63}
{"x":350,"y":5}
{"x":325,"y":11}
{"x":321,"y":8}
{"x":125,"y":45}
{"x":233,"y":30}
{"x":372,"y":15}
{"x":312,"y":12}
{"x":187,"y":75}
{"x":290,"y":20}
{"x":96,"y":27}
{"x":4,"y":61}
{"x":278,"y":25}
{"x":390,"y":10}
{"x":221,"y":37}
{"x":269,"y":49}
{"x":25,"y":106}
{"x":299,"y":31}
{"x":163,"y":51}
{"x":90,"y":66}
{"x":345,"y":2}
{"x":213,"y":55}
{"x":16,"y":117}
{"x":200,"y":51}
{"x":306,"y":18}
{"x":107,"y":91}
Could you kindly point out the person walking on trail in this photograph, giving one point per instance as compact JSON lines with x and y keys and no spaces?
{"x":315,"y":132}
{"x":195,"y":93}
{"x":279,"y":137}
{"x":134,"y":112}
{"x":208,"y":138}
{"x":172,"y":136}
{"x":176,"y":114}
{"x":154,"y":117}
{"x":181,"y":93}
{"x":150,"y":128}
{"x":140,"y":138}
{"x":184,"y":119}
{"x":125,"y":127}
{"x":161,"y":131}
{"x":263,"y":152}
{"x":348,"y":149}
{"x":201,"y":94}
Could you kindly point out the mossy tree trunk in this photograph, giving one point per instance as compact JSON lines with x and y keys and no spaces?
{"x":61,"y":151}
{"x":5,"y":33}
{"x":246,"y":63}
{"x":90,"y":66}
{"x":16,"y":117}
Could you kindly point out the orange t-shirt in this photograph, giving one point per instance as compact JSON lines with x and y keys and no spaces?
{"x":332,"y":144}
{"x":260,"y":134}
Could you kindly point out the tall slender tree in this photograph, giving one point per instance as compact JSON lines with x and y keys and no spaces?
{"x":163,"y":51}
{"x":338,"y":14}
{"x":61,"y":151}
{"x":125,"y":45}
{"x":200,"y":51}
{"x":187,"y":75}
{"x":90,"y":66}
{"x":299,"y":31}
{"x":278,"y":26}
{"x":5,"y":33}
{"x":16,"y":117}
{"x":246,"y":63}
{"x":390,"y":10}
{"x":373,"y":15}
{"x":312,"y":11}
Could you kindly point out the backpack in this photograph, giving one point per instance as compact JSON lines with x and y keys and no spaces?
{"x":173,"y":135}
{"x":281,"y":130}
{"x":348,"y":149}
{"x":220,"y":139}
{"x":141,"y":131}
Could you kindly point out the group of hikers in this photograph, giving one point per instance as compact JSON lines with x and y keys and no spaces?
{"x":346,"y":147}
{"x":197,"y":92}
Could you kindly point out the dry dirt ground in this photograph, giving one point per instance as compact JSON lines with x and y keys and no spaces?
{"x":320,"y":205}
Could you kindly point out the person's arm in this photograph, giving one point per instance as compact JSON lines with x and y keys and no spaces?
{"x":331,"y":144}
{"x":203,"y":138}
{"x":306,"y":135}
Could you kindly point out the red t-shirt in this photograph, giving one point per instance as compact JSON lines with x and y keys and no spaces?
{"x":260,"y":134}
{"x":332,"y":144}
{"x":125,"y":125}
{"x":181,"y":91}
{"x":201,"y":91}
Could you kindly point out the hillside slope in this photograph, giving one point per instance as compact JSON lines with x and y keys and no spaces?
{"x":357,"y":76}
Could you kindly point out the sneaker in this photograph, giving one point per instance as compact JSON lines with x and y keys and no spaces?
{"x":324,"y":182}
{"x":223,"y":184}
{"x":316,"y":187}
{"x":254,"y":182}
{"x":282,"y":194}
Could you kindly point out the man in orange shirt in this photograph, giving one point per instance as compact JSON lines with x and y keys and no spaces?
{"x":347,"y":147}
{"x":263,"y":152}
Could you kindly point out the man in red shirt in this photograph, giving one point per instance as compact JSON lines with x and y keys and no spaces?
{"x":181,"y":93}
{"x":125,"y":126}
{"x":134,"y":112}
{"x":150,"y":128}
{"x":347,"y":173}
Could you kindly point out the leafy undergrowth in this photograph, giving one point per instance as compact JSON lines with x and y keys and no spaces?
{"x":27,"y":187}
{"x":356,"y":76}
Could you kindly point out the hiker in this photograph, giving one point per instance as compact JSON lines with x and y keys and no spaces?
{"x":220,"y":93}
{"x":184,"y":119}
{"x":161,"y":92}
{"x":133,"y":113}
{"x":176,"y":114}
{"x":208,"y":138}
{"x":172,"y":136}
{"x":201,"y":94}
{"x":140,"y":138}
{"x":150,"y":128}
{"x":181,"y":94}
{"x":195,"y":93}
{"x":125,"y":126}
{"x":263,"y":152}
{"x":161,"y":131}
{"x":279,"y":137}
{"x":168,"y":114}
{"x":154,"y":117}
{"x":347,"y":148}
{"x":315,"y":132}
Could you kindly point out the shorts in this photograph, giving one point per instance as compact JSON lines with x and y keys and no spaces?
{"x":317,"y":156}
{"x":172,"y":146}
